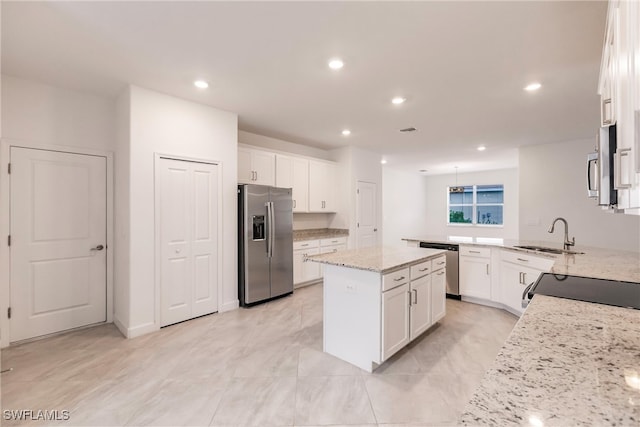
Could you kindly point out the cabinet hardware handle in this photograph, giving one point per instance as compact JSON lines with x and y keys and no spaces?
{"x":424,"y":269}
{"x":441,"y":273}
{"x":398,"y":279}
{"x":294,"y":203}
{"x":604,"y":111}
{"x":474,"y":252}
{"x":617,"y":176}
{"x":524,"y":278}
{"x":522,"y":259}
{"x":256,"y":175}
{"x":409,"y":292}
{"x":487,"y":269}
{"x":441,"y":262}
{"x":415,"y":293}
{"x":306,"y":244}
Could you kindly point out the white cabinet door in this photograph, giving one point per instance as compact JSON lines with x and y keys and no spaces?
{"x":256,"y":166}
{"x":305,"y":271}
{"x":293,"y":172}
{"x":438,"y":295}
{"x":514,"y":279}
{"x":420,"y":318}
{"x":245,"y":170}
{"x":395,"y":320}
{"x":322,"y":183}
{"x":264,"y":165}
{"x":475,"y":277}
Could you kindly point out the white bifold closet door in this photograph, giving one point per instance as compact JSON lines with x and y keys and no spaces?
{"x":188,"y":231}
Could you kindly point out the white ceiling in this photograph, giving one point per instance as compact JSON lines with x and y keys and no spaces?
{"x":461,"y":65}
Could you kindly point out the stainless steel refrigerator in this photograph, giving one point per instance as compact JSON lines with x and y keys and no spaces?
{"x":265,"y":243}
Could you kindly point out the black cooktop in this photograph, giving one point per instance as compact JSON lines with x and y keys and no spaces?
{"x":602,"y":291}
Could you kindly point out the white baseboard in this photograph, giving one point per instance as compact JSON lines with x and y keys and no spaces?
{"x":135,"y":331}
{"x":230,"y":305}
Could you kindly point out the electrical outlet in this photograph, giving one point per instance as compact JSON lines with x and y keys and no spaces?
{"x":351,"y":288}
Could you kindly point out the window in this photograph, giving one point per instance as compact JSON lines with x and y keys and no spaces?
{"x":476,"y":205}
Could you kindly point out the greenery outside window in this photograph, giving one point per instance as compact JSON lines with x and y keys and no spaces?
{"x":476,"y":205}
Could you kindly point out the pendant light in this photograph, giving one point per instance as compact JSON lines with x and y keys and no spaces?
{"x":456,"y":189}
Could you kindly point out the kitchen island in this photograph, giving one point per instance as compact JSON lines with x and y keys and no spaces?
{"x":378,"y":299}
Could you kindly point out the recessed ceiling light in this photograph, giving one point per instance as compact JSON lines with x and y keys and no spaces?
{"x":201,"y":84}
{"x":336,"y":64}
{"x":481,"y":148}
{"x":398,"y":100}
{"x":346,"y":132}
{"x":383,"y":162}
{"x":532,"y":87}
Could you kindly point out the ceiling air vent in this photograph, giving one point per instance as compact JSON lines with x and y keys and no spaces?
{"x":411,"y":129}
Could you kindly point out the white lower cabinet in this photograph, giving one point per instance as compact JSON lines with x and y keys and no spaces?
{"x":395,"y":320}
{"x":517,"y":271}
{"x":420,"y":305}
{"x":304,"y":272}
{"x":415,"y":303}
{"x":438,"y":294}
{"x":475,"y":272}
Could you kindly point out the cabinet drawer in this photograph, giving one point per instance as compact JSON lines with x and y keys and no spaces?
{"x":438,"y":263}
{"x":333,"y":241}
{"x":475,"y":251}
{"x":527,"y":260}
{"x":397,"y":278}
{"x":306,"y":244}
{"x":421,"y":269}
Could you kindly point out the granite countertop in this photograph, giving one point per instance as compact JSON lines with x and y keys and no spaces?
{"x":566,"y":363}
{"x":594,"y":262}
{"x":319,"y":233}
{"x":381,"y":259}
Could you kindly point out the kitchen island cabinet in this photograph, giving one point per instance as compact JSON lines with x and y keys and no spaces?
{"x":378,"y":299}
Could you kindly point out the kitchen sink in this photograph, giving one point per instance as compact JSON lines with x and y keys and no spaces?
{"x":548,"y":250}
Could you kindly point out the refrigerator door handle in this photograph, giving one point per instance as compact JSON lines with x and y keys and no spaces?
{"x":270,"y":229}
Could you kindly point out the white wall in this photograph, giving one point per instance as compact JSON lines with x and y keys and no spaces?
{"x":167,"y":125}
{"x":437,"y":214}
{"x":404,"y":205}
{"x":553,"y":184}
{"x":45,"y":114}
{"x":303,"y":221}
{"x":356,"y":165}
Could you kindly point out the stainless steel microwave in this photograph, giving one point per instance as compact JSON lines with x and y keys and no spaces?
{"x":600,"y":168}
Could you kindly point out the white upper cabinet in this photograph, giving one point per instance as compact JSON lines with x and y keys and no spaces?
{"x":619,"y":90}
{"x":322,"y":182}
{"x":256,"y":166}
{"x":293,"y":172}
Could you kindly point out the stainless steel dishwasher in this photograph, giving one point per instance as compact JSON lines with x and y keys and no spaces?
{"x":453,"y":287}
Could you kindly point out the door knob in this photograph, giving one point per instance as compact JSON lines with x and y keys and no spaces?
{"x":98,"y":248}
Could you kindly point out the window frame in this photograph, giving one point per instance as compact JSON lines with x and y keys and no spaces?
{"x":474,"y":207}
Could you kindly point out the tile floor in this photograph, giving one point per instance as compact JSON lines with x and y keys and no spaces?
{"x":261,"y":366}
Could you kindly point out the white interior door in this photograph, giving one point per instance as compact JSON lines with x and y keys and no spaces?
{"x":58,"y":225}
{"x":366,"y":209}
{"x":188,"y":224}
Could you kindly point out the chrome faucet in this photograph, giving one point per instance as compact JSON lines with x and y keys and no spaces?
{"x":567,"y":243}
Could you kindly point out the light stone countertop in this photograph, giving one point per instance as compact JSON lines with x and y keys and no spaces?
{"x":319,"y":233}
{"x":381,"y":259}
{"x":566,"y":363}
{"x":600,"y":263}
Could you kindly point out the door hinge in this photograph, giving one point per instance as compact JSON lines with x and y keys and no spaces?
{"x":9,"y":312}
{"x":9,"y":168}
{"x":9,"y":240}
